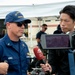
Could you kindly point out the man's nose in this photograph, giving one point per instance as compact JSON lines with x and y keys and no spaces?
{"x":23,"y":26}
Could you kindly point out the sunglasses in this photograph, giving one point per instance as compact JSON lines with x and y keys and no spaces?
{"x":19,"y":24}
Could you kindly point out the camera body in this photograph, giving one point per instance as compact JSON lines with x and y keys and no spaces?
{"x":72,"y":40}
{"x":58,"y":41}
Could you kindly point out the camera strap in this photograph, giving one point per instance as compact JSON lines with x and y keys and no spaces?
{"x":71,"y":62}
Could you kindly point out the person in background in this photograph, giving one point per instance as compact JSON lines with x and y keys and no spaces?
{"x":2,"y":34}
{"x":38,"y":37}
{"x":58,"y":31}
{"x":58,"y":62}
{"x":14,"y":53}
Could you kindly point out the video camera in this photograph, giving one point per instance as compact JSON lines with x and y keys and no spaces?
{"x":58,"y":41}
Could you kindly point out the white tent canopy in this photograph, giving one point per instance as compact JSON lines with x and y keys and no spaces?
{"x":51,"y":9}
{"x":29,"y":2}
{"x":33,"y":10}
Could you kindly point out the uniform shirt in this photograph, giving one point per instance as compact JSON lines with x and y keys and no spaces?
{"x":16,"y":54}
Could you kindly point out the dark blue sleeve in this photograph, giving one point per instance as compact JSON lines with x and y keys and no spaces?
{"x":38,"y":35}
{"x":27,"y":56}
{"x":1,"y":52}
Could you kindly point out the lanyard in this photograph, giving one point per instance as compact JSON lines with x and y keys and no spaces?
{"x":71,"y":62}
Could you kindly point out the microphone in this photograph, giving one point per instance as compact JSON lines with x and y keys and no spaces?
{"x":39,"y":55}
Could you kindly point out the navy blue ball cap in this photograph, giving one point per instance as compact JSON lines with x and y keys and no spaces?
{"x":15,"y":16}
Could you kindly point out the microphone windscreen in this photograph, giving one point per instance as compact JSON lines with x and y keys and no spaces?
{"x":38,"y":53}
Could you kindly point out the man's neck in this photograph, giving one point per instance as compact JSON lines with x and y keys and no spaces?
{"x":13,"y":38}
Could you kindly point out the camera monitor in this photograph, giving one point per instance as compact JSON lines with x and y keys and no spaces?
{"x":55,"y":41}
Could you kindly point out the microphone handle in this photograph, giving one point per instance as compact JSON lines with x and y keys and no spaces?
{"x":47,"y":72}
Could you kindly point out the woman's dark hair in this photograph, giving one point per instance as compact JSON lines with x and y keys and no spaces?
{"x":70,"y":10}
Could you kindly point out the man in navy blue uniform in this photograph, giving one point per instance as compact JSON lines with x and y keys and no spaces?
{"x":14,"y":53}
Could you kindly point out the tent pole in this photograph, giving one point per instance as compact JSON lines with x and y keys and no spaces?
{"x":31,"y":35}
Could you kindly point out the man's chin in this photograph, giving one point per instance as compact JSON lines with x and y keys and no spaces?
{"x":20,"y":36}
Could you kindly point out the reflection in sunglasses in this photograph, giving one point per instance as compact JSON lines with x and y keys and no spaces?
{"x":19,"y":24}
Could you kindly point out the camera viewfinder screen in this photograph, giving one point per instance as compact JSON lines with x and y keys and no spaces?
{"x":57,"y":41}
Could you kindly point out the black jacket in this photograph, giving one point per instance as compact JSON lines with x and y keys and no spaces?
{"x":58,"y":59}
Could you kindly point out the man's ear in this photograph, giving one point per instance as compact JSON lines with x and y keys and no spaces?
{"x":8,"y":25}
